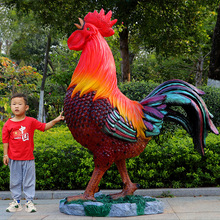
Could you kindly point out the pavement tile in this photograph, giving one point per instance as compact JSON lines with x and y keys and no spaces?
{"x":199,"y":216}
{"x":171,"y":216}
{"x":195,"y":204}
{"x":66,"y":217}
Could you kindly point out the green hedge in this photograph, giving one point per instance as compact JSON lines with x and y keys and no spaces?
{"x":62,"y":163}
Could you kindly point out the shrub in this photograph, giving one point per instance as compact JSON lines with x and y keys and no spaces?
{"x":63,"y":164}
{"x":175,"y":163}
{"x":212,"y":100}
{"x":61,"y":161}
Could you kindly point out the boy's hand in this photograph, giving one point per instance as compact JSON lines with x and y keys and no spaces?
{"x":6,"y":160}
{"x":60,"y":117}
{"x":53,"y":122}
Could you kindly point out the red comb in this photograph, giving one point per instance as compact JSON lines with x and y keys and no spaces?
{"x":102,"y":22}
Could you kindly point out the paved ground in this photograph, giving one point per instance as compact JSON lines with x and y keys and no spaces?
{"x":192,"y":204}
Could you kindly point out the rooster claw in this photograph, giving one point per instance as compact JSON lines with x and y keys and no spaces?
{"x":127,"y":191}
{"x":80,"y":197}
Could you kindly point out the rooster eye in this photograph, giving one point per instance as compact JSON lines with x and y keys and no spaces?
{"x":88,"y":29}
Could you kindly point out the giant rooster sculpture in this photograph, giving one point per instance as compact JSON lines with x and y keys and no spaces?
{"x":109,"y":124}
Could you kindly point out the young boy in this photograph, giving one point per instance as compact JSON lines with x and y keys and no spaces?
{"x":18,"y":144}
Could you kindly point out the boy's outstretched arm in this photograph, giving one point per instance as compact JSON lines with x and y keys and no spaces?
{"x":5,"y":155}
{"x":53,"y":122}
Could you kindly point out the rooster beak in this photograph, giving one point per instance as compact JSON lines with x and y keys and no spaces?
{"x":81,"y":24}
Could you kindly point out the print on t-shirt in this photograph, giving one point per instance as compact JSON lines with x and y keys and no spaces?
{"x":21,"y":134}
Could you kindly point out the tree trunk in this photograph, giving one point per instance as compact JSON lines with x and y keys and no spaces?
{"x":1,"y":46}
{"x":125,"y":65}
{"x":214,"y":67}
{"x":8,"y":46}
{"x":199,"y":70}
{"x":41,"y":102}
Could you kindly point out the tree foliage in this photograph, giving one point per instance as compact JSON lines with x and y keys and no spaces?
{"x":14,"y":78}
{"x":172,"y":27}
{"x":214,"y":70}
{"x":9,"y":29}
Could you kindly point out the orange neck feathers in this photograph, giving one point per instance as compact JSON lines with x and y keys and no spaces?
{"x":96,"y":72}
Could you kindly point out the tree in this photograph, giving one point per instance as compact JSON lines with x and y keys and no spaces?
{"x":14,"y":78}
{"x":166,"y":26}
{"x":9,"y":28}
{"x":52,"y":15}
{"x":214,"y":68}
{"x":29,"y":47}
{"x":183,"y":46}
{"x":41,"y":102}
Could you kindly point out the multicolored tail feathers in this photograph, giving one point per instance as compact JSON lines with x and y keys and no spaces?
{"x":196,"y":119}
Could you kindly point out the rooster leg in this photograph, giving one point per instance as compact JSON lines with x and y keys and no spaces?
{"x":92,"y":187}
{"x":129,"y":187}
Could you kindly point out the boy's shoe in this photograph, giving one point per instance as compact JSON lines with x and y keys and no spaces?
{"x":29,"y":207}
{"x":14,"y":206}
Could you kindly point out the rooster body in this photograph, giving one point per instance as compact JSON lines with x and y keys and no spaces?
{"x":109,"y":124}
{"x":86,"y":120}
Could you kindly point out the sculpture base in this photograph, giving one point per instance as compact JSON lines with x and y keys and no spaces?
{"x":105,"y":206}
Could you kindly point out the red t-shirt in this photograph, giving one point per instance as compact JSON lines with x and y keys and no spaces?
{"x":20,"y":137}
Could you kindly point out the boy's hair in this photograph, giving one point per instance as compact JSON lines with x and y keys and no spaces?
{"x":20,"y":95}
